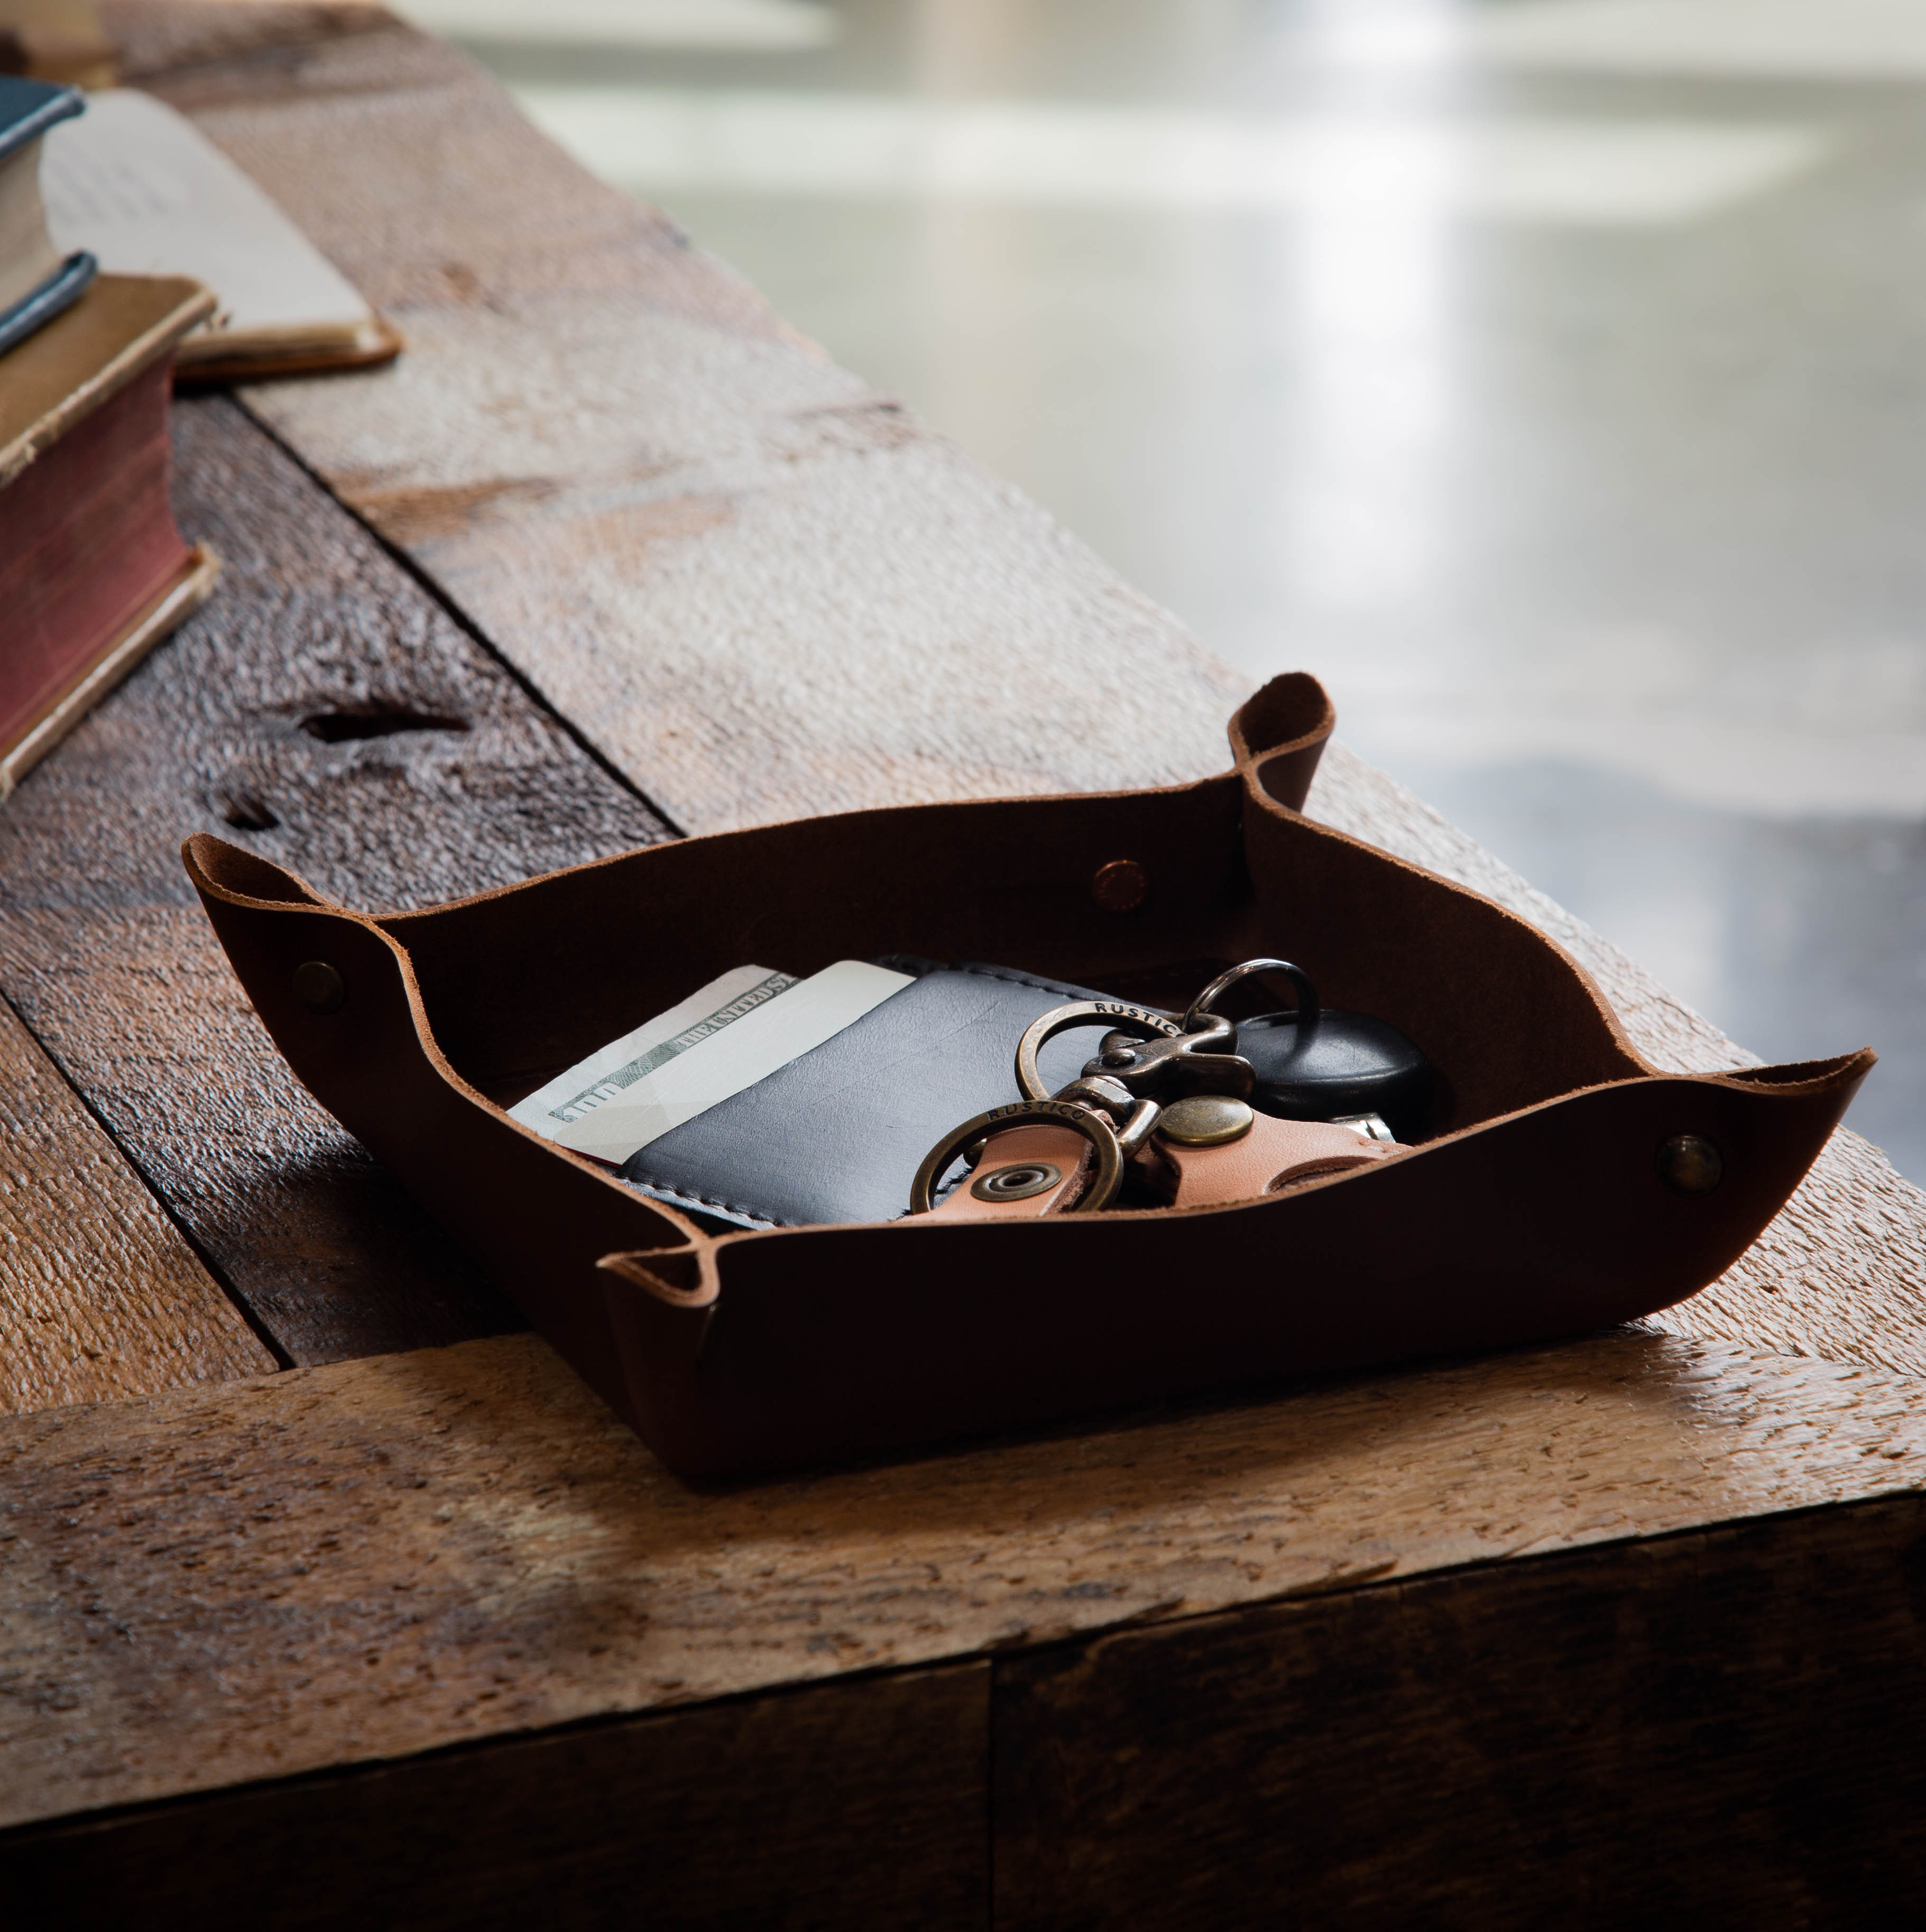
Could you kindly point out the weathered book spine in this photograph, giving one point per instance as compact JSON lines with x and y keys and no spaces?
{"x":93,"y":571}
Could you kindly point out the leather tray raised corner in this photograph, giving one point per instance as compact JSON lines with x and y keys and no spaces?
{"x":1536,"y":1209}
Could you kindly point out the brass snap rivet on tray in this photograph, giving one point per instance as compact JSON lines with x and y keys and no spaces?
{"x":1018,"y":1183}
{"x":1122,"y":885}
{"x":1205,"y":1120}
{"x":1689,"y":1164}
{"x":319,"y":987}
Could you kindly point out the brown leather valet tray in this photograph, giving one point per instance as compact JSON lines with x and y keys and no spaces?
{"x":1547,"y":1202}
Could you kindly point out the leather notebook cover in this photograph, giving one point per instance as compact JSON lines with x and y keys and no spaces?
{"x":838,"y":1134}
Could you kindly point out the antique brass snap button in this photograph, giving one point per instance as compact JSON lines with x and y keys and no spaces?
{"x":1205,"y":1120}
{"x":1122,"y":885}
{"x":1689,"y":1164}
{"x":319,"y":987}
{"x":1022,"y":1182}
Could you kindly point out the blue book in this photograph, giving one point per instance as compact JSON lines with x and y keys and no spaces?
{"x":36,"y":282}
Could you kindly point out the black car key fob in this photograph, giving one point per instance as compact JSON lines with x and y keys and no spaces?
{"x":1320,"y":1063}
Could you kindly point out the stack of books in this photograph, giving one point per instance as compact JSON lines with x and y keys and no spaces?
{"x":133,"y":254}
{"x":93,"y":571}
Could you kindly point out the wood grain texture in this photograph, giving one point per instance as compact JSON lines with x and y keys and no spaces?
{"x":773,"y":591}
{"x":764,"y":590}
{"x":768,"y":590}
{"x":150,"y":40}
{"x":1840,"y":1273}
{"x":433,"y":773}
{"x":99,"y":1295}
{"x":329,"y":1253}
{"x":1719,"y":1728}
{"x":334,"y":1565}
{"x":408,"y":168}
{"x":861,"y":1806}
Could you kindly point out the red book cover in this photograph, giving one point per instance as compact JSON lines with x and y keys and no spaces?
{"x":93,"y":570}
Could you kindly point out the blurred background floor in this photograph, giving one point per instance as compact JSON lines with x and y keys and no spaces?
{"x":1545,"y":375}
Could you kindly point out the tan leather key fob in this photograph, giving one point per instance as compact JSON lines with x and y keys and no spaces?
{"x":1210,"y":1149}
{"x":1024,"y":1173}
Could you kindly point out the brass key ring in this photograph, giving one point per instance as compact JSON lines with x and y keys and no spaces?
{"x":1121,"y":1018}
{"x":1095,"y":1128}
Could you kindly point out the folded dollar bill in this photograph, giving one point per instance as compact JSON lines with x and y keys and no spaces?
{"x":724,"y":1037}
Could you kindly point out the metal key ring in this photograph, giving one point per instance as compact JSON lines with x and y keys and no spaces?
{"x":1120,"y":1018}
{"x":1094,"y":1127}
{"x":1300,"y":981}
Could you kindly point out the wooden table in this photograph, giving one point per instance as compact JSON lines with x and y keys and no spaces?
{"x":328,"y":1597}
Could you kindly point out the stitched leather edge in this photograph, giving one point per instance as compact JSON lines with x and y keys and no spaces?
{"x":661,"y":1190}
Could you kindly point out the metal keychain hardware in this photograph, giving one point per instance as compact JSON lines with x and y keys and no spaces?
{"x":1150,"y":1056}
{"x":1022,"y":1180}
{"x":1115,"y":1120}
{"x":1300,"y":981}
{"x":1094,"y":1125}
{"x":1147,"y":1061}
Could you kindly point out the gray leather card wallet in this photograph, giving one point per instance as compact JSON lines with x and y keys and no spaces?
{"x":838,"y":1134}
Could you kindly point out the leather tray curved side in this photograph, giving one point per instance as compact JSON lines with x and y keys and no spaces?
{"x":537,"y":1218}
{"x":1552,"y":1222}
{"x":1538,"y":1211}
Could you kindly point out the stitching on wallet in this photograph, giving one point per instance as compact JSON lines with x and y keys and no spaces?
{"x":703,"y":1200}
{"x":1016,"y":979}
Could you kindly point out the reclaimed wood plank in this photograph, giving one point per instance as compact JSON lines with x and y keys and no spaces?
{"x":151,"y":40}
{"x":326,"y":1251}
{"x":1723,"y":1728}
{"x":100,"y":1296}
{"x":323,"y":709}
{"x":409,"y":213}
{"x":470,"y":1519}
{"x":774,"y":591}
{"x":219,"y":1585}
{"x":861,"y":1805}
{"x":768,"y":590}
